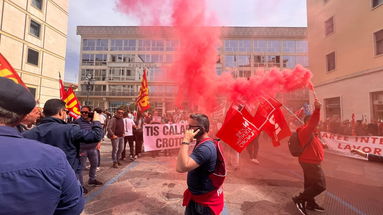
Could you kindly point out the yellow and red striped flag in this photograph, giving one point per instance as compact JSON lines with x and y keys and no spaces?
{"x":7,"y":71}
{"x":71,"y":102}
{"x":142,"y":100}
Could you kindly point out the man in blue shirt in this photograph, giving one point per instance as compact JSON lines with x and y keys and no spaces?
{"x":34,"y":178}
{"x":202,"y":196}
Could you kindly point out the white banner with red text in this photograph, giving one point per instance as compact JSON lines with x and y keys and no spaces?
{"x":163,"y":136}
{"x":342,"y":144}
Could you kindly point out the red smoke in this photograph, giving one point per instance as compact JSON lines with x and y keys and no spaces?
{"x":194,"y":68}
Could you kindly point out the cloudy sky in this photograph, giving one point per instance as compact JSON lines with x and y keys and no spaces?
{"x":273,"y":13}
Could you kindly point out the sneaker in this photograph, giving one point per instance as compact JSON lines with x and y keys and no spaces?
{"x":95,"y":183}
{"x":255,"y":161}
{"x":313,"y":206}
{"x":115,"y":165}
{"x":300,"y":204}
{"x":135,"y":157}
{"x":131,"y":157}
{"x":118,"y":162}
{"x":98,"y":169}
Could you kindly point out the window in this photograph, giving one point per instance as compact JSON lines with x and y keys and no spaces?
{"x":260,"y":45}
{"x":88,"y":45}
{"x":37,"y":4}
{"x":123,"y":45}
{"x":329,"y":26}
{"x":289,"y":46}
{"x":171,"y":45}
{"x":332,"y":107}
{"x":376,"y":3}
{"x":157,"y":58}
{"x":330,"y":61}
{"x":230,"y":61}
{"x":34,"y":28}
{"x":117,"y":45}
{"x":88,"y":59}
{"x":273,"y":61}
{"x":85,"y":72}
{"x":245,"y":45}
{"x":101,"y":45}
{"x":244,"y":73}
{"x":33,"y":57}
{"x":259,"y":61}
{"x":301,"y":46}
{"x":100,"y":59}
{"x":33,"y":91}
{"x":144,"y":45}
{"x":289,"y":61}
{"x":145,"y":58}
{"x":158,"y":45}
{"x":231,"y":45}
{"x":379,"y":42}
{"x":377,"y":105}
{"x":243,"y":61}
{"x":274,"y":46}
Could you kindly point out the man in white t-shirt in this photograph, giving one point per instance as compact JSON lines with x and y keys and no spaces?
{"x":128,"y":137}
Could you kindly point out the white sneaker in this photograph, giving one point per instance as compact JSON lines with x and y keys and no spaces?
{"x":98,"y":169}
{"x":254,"y":161}
{"x":135,"y":157}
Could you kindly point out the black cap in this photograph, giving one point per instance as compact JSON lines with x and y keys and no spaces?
{"x":15,"y":98}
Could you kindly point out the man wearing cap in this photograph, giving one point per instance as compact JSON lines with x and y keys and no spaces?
{"x":53,"y":130}
{"x":42,"y":182}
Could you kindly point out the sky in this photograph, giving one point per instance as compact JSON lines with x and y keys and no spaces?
{"x":253,"y":13}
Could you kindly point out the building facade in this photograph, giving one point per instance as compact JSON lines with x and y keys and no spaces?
{"x":113,"y":59}
{"x":33,"y":39}
{"x":346,"y":55}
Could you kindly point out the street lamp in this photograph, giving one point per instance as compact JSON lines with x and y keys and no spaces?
{"x":88,"y":78}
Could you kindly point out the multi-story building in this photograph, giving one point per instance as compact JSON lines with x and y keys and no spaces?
{"x":113,"y":58}
{"x":346,"y":55}
{"x":33,"y":39}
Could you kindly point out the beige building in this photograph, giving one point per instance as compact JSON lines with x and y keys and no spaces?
{"x":113,"y":58}
{"x":346,"y":55}
{"x":33,"y":39}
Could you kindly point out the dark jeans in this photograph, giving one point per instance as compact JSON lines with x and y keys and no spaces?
{"x":315,"y":182}
{"x":194,"y":208}
{"x":129,"y":139}
{"x":139,"y":140}
{"x":91,"y":154}
{"x":99,"y":157}
{"x":253,"y":148}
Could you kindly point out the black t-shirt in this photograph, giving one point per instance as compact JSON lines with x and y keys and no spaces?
{"x":205,"y":155}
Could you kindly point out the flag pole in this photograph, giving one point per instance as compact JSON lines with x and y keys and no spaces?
{"x":288,"y":110}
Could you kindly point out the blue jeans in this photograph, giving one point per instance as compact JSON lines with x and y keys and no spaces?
{"x":91,"y":154}
{"x":117,"y":147}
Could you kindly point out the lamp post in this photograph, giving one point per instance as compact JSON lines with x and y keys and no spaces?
{"x":88,"y":78}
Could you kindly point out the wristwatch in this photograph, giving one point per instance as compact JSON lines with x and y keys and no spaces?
{"x":185,"y":143}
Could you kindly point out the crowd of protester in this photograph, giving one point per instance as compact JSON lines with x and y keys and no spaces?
{"x":348,"y":127}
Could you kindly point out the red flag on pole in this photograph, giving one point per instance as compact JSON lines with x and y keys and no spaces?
{"x":7,"y":71}
{"x":142,"y":100}
{"x":237,"y":130}
{"x":271,"y":120}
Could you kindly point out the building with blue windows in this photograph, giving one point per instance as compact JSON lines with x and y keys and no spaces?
{"x":113,"y":59}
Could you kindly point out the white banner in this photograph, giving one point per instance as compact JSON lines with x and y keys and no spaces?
{"x":342,"y":144}
{"x":163,"y":136}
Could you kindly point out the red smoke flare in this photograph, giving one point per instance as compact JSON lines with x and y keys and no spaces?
{"x":194,"y":67}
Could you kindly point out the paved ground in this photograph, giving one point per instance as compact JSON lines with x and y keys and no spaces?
{"x":151,"y":185}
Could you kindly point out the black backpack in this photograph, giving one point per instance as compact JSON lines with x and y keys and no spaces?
{"x":294,"y":145}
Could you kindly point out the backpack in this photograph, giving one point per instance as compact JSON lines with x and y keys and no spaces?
{"x":294,"y":145}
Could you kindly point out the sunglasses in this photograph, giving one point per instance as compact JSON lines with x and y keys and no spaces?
{"x":84,"y":112}
{"x":193,"y":126}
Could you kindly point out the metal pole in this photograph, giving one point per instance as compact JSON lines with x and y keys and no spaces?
{"x":288,"y":110}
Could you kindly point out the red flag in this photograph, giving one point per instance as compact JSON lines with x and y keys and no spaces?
{"x":71,"y":102}
{"x":7,"y":71}
{"x":300,"y":112}
{"x":142,"y":100}
{"x":237,"y":130}
{"x":270,"y":119}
